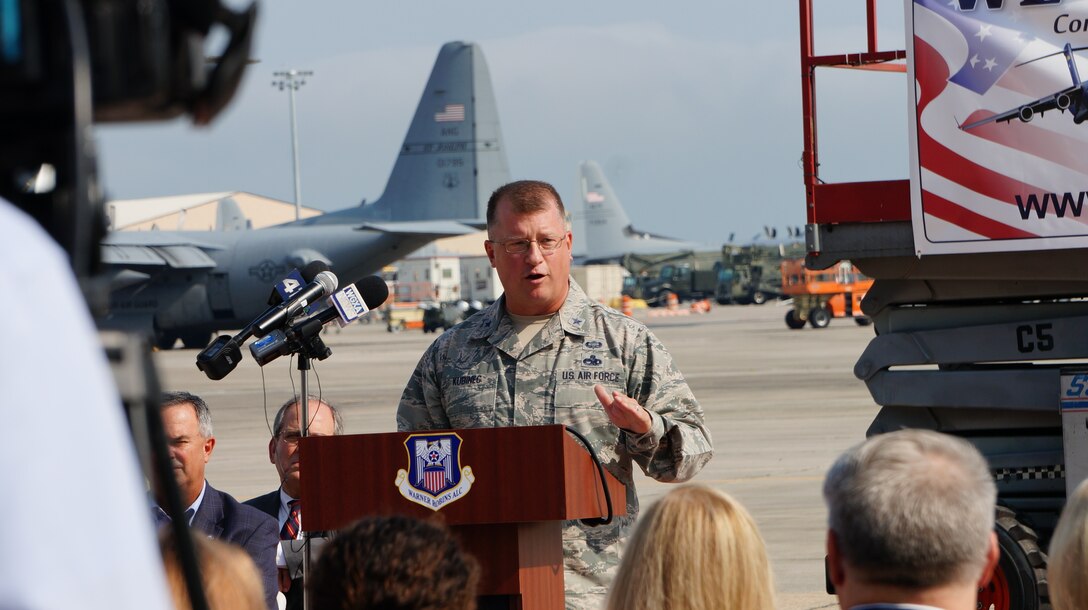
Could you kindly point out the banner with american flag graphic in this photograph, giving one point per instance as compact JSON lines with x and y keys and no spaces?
{"x":997,"y":144}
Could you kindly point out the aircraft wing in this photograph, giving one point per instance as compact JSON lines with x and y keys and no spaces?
{"x":166,"y":256}
{"x":438,"y":228}
{"x":133,"y":264}
{"x":631,"y":231}
{"x":1038,"y":106}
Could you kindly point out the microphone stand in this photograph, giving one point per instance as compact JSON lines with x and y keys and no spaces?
{"x":313,"y":348}
{"x":304,"y":428}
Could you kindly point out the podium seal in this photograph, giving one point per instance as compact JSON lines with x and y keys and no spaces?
{"x":435,"y":476}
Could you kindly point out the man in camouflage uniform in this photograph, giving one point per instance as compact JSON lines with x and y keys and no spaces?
{"x":544,"y":353}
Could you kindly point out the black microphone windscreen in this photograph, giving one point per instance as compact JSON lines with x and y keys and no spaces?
{"x":310,"y":271}
{"x":374,"y":291}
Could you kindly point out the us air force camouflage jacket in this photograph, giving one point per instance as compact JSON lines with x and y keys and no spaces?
{"x":478,"y":375}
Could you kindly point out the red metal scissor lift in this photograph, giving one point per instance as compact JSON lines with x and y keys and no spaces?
{"x":967,"y":344}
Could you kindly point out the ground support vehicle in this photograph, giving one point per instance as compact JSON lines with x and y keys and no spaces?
{"x":686,"y":275}
{"x":447,"y":314}
{"x":989,"y":346}
{"x":433,"y":317}
{"x":403,"y":316}
{"x":819,"y":296}
{"x":752,"y":274}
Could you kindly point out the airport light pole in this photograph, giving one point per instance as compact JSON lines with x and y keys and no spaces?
{"x":291,"y":80}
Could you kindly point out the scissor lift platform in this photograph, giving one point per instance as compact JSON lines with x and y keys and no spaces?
{"x":992,"y":347}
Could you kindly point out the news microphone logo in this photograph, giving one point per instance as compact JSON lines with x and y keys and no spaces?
{"x":290,"y":284}
{"x":350,"y":304}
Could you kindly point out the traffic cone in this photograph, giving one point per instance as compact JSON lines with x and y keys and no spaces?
{"x":627,"y":309}
{"x":674,"y":302}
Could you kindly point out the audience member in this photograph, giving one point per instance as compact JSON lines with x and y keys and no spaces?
{"x":694,"y":549}
{"x":1067,"y":573}
{"x":230,"y":578}
{"x":394,"y":562}
{"x":283,"y":503}
{"x":911,"y":522}
{"x":187,"y":424}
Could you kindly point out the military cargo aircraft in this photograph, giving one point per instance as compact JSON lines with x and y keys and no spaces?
{"x":188,"y":284}
{"x":1071,"y":98}
{"x":608,"y":235}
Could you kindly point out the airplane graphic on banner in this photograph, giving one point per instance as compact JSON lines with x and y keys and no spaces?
{"x":980,"y":181}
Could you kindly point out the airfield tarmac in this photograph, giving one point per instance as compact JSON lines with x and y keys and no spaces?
{"x":781,"y":405}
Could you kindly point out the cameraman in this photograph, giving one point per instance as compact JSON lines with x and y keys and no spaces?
{"x":76,"y":524}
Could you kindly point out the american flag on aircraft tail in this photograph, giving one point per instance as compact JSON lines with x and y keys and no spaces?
{"x":451,"y":113}
{"x":1003,"y":185}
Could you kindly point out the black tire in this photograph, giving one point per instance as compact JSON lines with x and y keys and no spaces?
{"x":819,"y":317}
{"x":863,"y":320}
{"x":1019,"y":582}
{"x":195,"y":340}
{"x":723,"y":301}
{"x":758,"y":298}
{"x":793,"y":320}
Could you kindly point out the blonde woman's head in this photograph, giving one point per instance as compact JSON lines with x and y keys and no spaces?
{"x":696,"y":548}
{"x":1067,"y":573}
{"x":230,"y":578}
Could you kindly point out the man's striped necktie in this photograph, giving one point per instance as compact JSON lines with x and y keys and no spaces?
{"x":291,"y":525}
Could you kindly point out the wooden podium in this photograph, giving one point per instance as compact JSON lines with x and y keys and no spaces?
{"x":522,"y":484}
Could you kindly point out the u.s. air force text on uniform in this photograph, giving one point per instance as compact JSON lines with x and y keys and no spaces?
{"x":479,"y":375}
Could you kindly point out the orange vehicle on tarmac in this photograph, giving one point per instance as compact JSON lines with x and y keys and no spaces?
{"x":819,"y":296}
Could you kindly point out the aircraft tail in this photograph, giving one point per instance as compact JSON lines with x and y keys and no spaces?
{"x":608,"y":234}
{"x":453,"y":156}
{"x":605,"y":221}
{"x":229,"y":216}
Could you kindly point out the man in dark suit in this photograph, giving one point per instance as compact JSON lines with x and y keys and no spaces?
{"x":283,"y":503}
{"x":911,"y":523}
{"x":187,"y":424}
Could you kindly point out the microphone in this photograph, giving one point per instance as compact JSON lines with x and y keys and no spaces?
{"x":219,"y":359}
{"x":295,"y":280}
{"x":348,"y":304}
{"x":323,"y":285}
{"x":223,"y":355}
{"x":352,"y":303}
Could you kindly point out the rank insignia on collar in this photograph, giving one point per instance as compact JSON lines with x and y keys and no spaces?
{"x":435,"y":476}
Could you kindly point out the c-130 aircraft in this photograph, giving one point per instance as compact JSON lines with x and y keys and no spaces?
{"x":188,"y":284}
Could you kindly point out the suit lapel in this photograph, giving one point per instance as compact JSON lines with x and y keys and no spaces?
{"x":269,"y":503}
{"x":209,"y":517}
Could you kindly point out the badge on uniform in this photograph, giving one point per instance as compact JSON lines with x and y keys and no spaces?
{"x":435,"y":476}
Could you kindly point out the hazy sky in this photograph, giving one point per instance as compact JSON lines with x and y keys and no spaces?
{"x":693,"y":110}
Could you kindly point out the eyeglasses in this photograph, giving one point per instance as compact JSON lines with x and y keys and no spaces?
{"x":290,"y":438}
{"x":547,"y":245}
